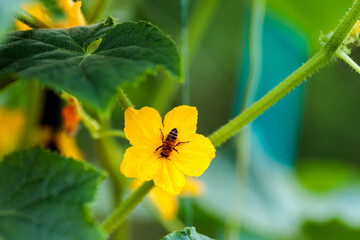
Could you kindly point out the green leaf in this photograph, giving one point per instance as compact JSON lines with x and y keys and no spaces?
{"x":58,"y":59}
{"x":43,"y":197}
{"x":188,"y":233}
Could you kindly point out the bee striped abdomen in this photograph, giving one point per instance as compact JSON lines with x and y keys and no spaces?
{"x":169,"y":143}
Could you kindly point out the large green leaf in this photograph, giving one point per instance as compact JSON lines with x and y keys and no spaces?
{"x":188,"y":233}
{"x":43,"y":197}
{"x":61,"y":59}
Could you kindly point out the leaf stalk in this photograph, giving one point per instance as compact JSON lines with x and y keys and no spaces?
{"x":118,"y":216}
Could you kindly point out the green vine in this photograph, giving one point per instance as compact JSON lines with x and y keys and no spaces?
{"x":324,"y":56}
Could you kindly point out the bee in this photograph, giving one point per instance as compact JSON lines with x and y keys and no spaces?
{"x":169,"y":143}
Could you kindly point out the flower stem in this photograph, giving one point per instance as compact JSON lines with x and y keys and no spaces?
{"x":109,"y":155}
{"x":124,"y":101}
{"x":96,"y":10}
{"x":30,"y":20}
{"x":34,"y":107}
{"x":110,"y":133}
{"x":324,"y":56}
{"x":341,"y":54}
{"x":118,"y":216}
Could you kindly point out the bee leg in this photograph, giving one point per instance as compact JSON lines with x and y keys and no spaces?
{"x":180,"y":143}
{"x":159,"y":148}
{"x":175,"y":150}
{"x":162,"y":135}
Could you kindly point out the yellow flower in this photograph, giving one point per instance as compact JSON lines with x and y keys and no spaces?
{"x":355,"y":30}
{"x":65,"y":139}
{"x":166,"y":203}
{"x":39,"y":11}
{"x":192,"y":188}
{"x":67,"y":146}
{"x":153,"y":157}
{"x":71,"y":117}
{"x":74,"y":16}
{"x":11,"y":127}
{"x":72,"y":10}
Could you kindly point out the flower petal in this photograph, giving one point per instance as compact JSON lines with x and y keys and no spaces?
{"x":184,"y":119}
{"x":142,"y":127}
{"x":140,"y":162}
{"x":74,"y":16}
{"x":169,"y":178}
{"x":194,"y":157}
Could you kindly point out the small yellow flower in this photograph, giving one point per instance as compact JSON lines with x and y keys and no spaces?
{"x":11,"y":127}
{"x":65,"y":139}
{"x":67,"y":146}
{"x":71,"y":117}
{"x":72,"y":10}
{"x":153,"y":156}
{"x":166,"y":203}
{"x":39,"y":11}
{"x":74,"y":16}
{"x":355,"y":30}
{"x":193,"y":188}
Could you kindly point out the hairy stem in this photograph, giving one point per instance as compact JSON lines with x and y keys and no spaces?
{"x":324,"y":56}
{"x":118,"y":216}
{"x":124,"y":100}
